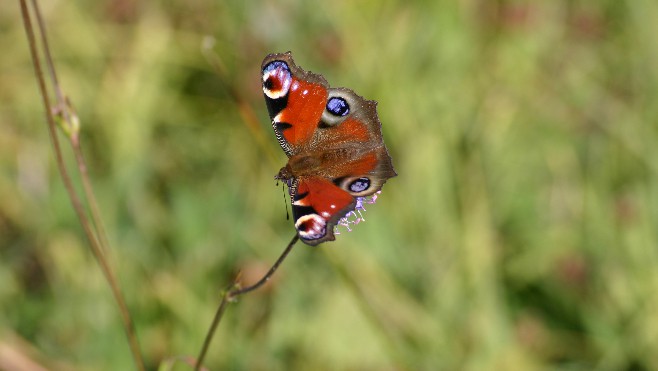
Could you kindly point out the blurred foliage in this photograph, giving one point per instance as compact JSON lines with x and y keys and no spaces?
{"x":520,"y":234}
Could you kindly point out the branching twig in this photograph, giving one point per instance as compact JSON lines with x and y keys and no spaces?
{"x":232,"y":293}
{"x":63,"y":108}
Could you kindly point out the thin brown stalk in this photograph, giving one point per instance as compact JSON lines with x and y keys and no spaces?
{"x":64,"y":108}
{"x":89,"y":194}
{"x":232,"y":293}
{"x":73,"y":196}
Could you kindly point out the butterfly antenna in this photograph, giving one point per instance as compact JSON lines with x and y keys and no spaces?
{"x":285,"y":201}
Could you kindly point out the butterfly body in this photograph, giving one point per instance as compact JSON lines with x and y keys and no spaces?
{"x":333,"y":140}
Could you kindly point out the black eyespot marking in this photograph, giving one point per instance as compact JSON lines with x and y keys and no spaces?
{"x":339,"y":181}
{"x":299,"y":211}
{"x":269,"y":84}
{"x":281,"y":126}
{"x":303,"y":227}
{"x":359,"y":185}
{"x":275,"y":106}
{"x":338,"y":106}
{"x":299,"y":196}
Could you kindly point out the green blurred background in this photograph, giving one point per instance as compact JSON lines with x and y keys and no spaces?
{"x":521,"y":232}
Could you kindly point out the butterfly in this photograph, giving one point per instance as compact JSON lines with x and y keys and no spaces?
{"x":337,"y":159}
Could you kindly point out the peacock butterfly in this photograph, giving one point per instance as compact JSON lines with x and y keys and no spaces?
{"x":337,"y":160}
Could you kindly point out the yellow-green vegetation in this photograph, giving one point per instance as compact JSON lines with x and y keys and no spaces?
{"x":520,"y":234}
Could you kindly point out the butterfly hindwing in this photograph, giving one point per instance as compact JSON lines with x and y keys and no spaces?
{"x":317,"y":206}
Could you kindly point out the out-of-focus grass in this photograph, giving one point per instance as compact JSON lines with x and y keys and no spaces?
{"x":520,"y":234}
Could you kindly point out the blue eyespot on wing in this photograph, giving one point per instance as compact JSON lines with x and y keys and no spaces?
{"x":338,"y":106}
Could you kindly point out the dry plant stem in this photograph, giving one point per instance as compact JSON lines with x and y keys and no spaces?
{"x":89,"y":194}
{"x":75,"y":200}
{"x":211,"y":331}
{"x":233,"y":292}
{"x":240,"y":291}
{"x":64,"y":108}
